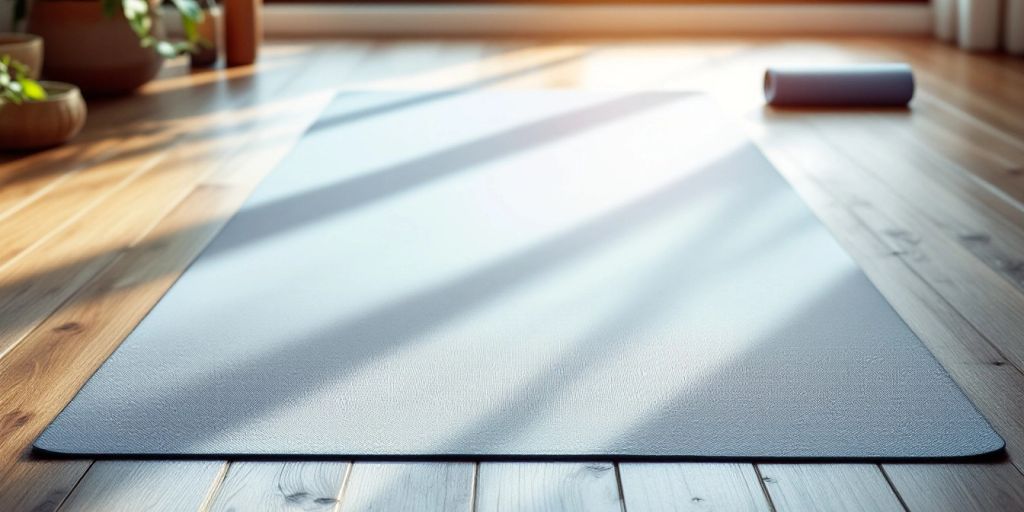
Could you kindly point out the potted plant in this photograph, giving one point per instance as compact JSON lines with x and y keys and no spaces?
{"x":107,"y":46}
{"x":36,"y":114}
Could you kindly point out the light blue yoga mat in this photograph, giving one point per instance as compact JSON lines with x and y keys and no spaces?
{"x":493,"y":275}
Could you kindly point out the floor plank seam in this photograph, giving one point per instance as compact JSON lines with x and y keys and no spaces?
{"x":817,"y":183}
{"x":764,"y":488}
{"x":965,"y":116}
{"x":215,"y":487}
{"x":340,"y":505}
{"x":962,"y":171}
{"x":924,"y":216}
{"x":925,"y":281}
{"x":618,"y":484}
{"x":947,"y":88}
{"x":144,"y":169}
{"x":64,"y":499}
{"x":474,"y":487}
{"x":144,"y":233}
{"x":895,"y":491}
{"x":39,"y":193}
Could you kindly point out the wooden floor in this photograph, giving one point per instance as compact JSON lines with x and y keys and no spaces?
{"x":930,"y":203}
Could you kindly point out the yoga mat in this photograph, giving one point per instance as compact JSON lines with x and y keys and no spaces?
{"x":494,"y":275}
{"x":883,"y":85}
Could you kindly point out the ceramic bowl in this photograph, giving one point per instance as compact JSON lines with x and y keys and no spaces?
{"x":45,"y":123}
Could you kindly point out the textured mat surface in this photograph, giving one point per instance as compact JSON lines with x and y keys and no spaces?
{"x":523,"y":274}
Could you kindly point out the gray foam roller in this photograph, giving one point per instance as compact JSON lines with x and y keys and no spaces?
{"x":885,"y":85}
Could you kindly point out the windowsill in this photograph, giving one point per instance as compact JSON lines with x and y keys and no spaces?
{"x":354,"y":19}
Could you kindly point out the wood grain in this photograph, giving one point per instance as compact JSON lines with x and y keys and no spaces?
{"x":36,"y":388}
{"x":839,"y":487}
{"x":691,"y":487}
{"x":995,"y":486}
{"x":547,"y":487}
{"x":994,"y":385}
{"x":410,"y":486}
{"x":40,"y":279}
{"x":280,"y":486}
{"x":930,"y":202}
{"x":857,"y":218}
{"x":142,"y":267}
{"x":155,"y":486}
{"x":40,"y":485}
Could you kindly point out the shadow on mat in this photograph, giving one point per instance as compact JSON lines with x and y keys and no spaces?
{"x":402,"y":320}
{"x":307,"y":207}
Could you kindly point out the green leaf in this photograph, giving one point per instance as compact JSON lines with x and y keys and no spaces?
{"x":141,"y":19}
{"x":191,"y":28}
{"x":31,"y":89}
{"x":189,"y":9}
{"x":11,"y":97}
{"x":166,"y":49}
{"x":134,"y":9}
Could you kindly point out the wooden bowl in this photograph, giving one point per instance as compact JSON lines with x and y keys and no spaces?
{"x":24,"y":48}
{"x":40,"y":124}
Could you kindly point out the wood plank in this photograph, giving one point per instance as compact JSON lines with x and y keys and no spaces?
{"x":31,"y":287}
{"x":40,"y":485}
{"x":838,"y":487}
{"x":993,"y":384}
{"x":691,"y":487}
{"x":154,"y":115}
{"x":547,"y":486}
{"x":147,"y":268}
{"x":967,"y":203}
{"x":78,"y":193}
{"x":154,"y":486}
{"x":186,"y":148}
{"x":40,"y":377}
{"x":992,"y":160}
{"x":409,"y":486}
{"x":172,"y":243}
{"x":25,"y":179}
{"x":996,"y":486}
{"x":280,"y":486}
{"x":926,"y":245}
{"x":961,"y":125}
{"x":998,"y":108}
{"x":978,"y":366}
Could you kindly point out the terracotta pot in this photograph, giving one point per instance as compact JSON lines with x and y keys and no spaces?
{"x":243,"y":31}
{"x":100,"y":55}
{"x":24,"y":48}
{"x":40,"y":124}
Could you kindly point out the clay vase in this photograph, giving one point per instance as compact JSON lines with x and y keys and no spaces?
{"x":99,"y":54}
{"x":24,"y":48}
{"x":243,"y":31}
{"x":44,"y":123}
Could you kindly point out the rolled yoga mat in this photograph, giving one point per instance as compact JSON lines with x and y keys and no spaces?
{"x":532,"y":275}
{"x":853,"y":85}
